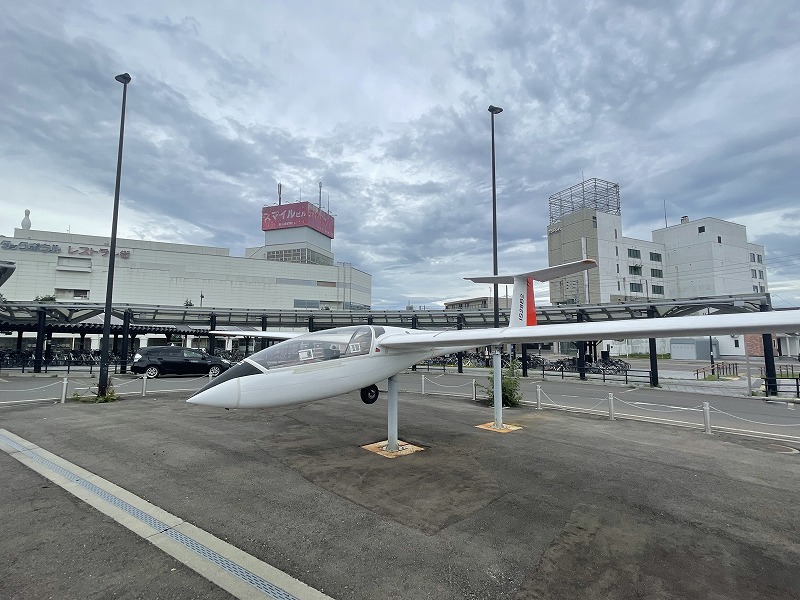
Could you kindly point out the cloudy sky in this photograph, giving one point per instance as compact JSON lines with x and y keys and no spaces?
{"x":695,"y":104}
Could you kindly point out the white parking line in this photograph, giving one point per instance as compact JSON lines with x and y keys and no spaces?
{"x":233,"y":570}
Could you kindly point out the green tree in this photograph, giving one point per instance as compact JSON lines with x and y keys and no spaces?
{"x":187,"y":303}
{"x":45,"y":298}
{"x":509,"y":385}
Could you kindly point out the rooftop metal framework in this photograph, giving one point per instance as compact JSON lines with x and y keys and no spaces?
{"x":594,"y":193}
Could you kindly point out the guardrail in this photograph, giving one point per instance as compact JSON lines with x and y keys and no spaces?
{"x":628,"y":376}
{"x":26,"y":364}
{"x":782,"y":371}
{"x":722,"y":369}
{"x":789,"y":385}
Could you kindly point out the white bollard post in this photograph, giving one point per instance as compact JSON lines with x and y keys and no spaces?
{"x":611,"y":406}
{"x":538,"y":397}
{"x":210,"y":376}
{"x":423,"y":384}
{"x":64,"y":390}
{"x":474,"y":392}
{"x":707,"y":416}
{"x":144,"y":384}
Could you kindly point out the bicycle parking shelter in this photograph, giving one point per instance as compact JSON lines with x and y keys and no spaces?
{"x":47,"y":318}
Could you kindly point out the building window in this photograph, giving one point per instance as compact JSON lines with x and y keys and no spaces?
{"x":658,"y":289}
{"x":701,"y":229}
{"x":760,"y":274}
{"x":755,"y":289}
{"x":655,"y":256}
{"x":618,"y":289}
{"x":615,"y":234}
{"x":753,"y":273}
{"x":306,"y":303}
{"x":594,"y":222}
{"x":752,"y":257}
{"x":636,"y":287}
{"x":616,"y":250}
{"x":719,"y":239}
{"x":758,"y":256}
{"x":736,"y":343}
{"x":657,"y":273}
{"x":634,"y":253}
{"x":762,"y":289}
{"x":635,"y":270}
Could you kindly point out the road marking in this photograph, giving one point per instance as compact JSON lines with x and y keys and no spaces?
{"x":666,"y":406}
{"x":237,"y":572}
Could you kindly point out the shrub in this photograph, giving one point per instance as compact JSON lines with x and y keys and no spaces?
{"x":509,"y":385}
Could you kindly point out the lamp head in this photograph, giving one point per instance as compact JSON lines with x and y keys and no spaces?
{"x":495,"y":110}
{"x":123,"y":78}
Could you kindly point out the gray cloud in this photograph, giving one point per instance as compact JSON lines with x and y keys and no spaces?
{"x":690,"y":104}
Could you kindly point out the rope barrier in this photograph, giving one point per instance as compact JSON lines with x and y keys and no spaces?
{"x":705,"y":407}
{"x":678,"y":409}
{"x":447,"y":386}
{"x":755,"y":422}
{"x":42,"y":387}
{"x":116,"y":385}
{"x":551,"y":403}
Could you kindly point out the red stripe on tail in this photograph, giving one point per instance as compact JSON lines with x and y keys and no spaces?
{"x":531,"y":307}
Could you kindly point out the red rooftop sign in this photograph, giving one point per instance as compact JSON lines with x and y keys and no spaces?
{"x":299,"y":214}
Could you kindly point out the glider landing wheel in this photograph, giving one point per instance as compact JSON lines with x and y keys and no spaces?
{"x":369,"y":394}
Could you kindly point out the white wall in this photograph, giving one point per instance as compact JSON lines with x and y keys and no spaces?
{"x":160,"y":273}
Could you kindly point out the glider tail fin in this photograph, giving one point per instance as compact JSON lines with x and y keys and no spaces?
{"x":523,"y":308}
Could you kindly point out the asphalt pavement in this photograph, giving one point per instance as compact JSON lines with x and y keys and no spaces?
{"x":569,"y":506}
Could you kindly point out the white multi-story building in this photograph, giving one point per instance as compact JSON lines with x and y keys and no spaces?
{"x":295,"y":268}
{"x":710,"y":257}
{"x":706,"y":257}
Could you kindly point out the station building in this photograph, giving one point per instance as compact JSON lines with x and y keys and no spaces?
{"x":295,"y":268}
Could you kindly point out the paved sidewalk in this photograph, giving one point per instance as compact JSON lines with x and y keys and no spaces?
{"x":567,"y":507}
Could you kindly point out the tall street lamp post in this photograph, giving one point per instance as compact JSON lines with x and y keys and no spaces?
{"x":494,"y":110}
{"x":102,"y":383}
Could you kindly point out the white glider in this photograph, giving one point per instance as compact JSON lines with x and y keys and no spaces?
{"x":320,"y":364}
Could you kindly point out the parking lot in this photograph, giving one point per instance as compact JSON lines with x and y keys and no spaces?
{"x":567,"y":507}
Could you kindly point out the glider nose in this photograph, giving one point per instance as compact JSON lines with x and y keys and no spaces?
{"x":224,"y":391}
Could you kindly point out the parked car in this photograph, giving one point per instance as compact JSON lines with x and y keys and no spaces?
{"x":163,"y":360}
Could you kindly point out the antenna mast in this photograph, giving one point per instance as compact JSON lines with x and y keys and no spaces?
{"x":279,"y":194}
